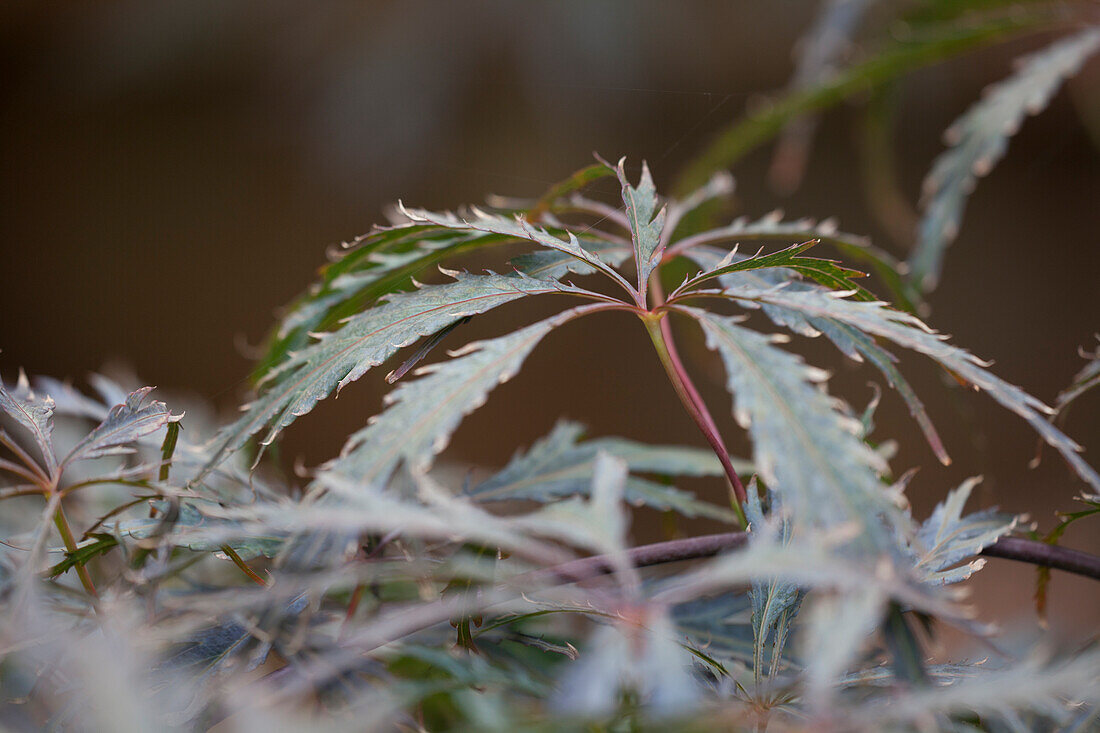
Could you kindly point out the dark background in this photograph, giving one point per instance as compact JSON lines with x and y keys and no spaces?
{"x":173,"y":171}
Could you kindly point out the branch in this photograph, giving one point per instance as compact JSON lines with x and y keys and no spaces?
{"x":693,"y":548}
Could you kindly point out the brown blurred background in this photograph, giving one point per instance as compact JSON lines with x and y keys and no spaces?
{"x":173,"y":171}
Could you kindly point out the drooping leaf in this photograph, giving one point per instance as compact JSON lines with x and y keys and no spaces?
{"x":979,"y":139}
{"x":1086,"y":379}
{"x":646,"y":222}
{"x":421,"y":415}
{"x":559,"y":465}
{"x":947,"y":538}
{"x":804,"y":447}
{"x":125,"y":424}
{"x":933,"y":44}
{"x":819,"y":55}
{"x":908,"y":331}
{"x":364,"y":271}
{"x":34,"y":413}
{"x":366,"y":340}
{"x":852,"y":342}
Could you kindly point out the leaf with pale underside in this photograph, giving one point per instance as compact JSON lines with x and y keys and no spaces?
{"x":366,"y":340}
{"x":979,"y":139}
{"x":804,"y":446}
{"x":853,"y":343}
{"x":125,"y":424}
{"x":947,"y":538}
{"x":908,"y":331}
{"x":775,"y":602}
{"x":554,"y":265}
{"x":421,"y":415}
{"x":645,"y":220}
{"x":561,"y":465}
{"x":34,"y":413}
{"x":518,"y":228}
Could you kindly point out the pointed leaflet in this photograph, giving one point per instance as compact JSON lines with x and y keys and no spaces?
{"x":720,"y":185}
{"x":804,"y":447}
{"x":518,"y":228}
{"x":559,"y":466}
{"x":553,"y":265}
{"x":948,"y":538}
{"x":421,"y":415}
{"x":980,"y":138}
{"x":908,"y":331}
{"x":772,"y":228}
{"x":825,"y":272}
{"x":1086,"y":379}
{"x":125,"y":424}
{"x":34,"y":412}
{"x":366,"y":340}
{"x":646,"y":223}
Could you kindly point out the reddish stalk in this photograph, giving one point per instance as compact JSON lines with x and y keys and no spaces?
{"x":660,"y":332}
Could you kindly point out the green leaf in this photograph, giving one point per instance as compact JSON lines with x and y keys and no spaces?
{"x":366,"y":340}
{"x":421,"y":415}
{"x":366,"y":269}
{"x":575,"y":182}
{"x":805,"y":448}
{"x":100,"y":544}
{"x":560,"y":465}
{"x":825,"y":272}
{"x":979,"y":139}
{"x":947,"y":538}
{"x":646,"y":222}
{"x":908,"y":331}
{"x":125,"y":424}
{"x":895,"y":59}
{"x":772,"y":228}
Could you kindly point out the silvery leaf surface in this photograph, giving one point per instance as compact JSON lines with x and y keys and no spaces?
{"x":909,"y":332}
{"x":124,"y":425}
{"x":421,"y":415}
{"x":804,"y":446}
{"x":366,"y":340}
{"x":947,"y":538}
{"x":560,"y":465}
{"x":979,"y":139}
{"x":34,"y":413}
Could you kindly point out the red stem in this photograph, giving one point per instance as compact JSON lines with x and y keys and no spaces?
{"x":660,"y":332}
